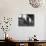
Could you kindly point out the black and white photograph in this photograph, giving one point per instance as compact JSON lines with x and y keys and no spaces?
{"x":26,"y":20}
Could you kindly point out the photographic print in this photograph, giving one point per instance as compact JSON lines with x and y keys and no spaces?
{"x":26,"y":20}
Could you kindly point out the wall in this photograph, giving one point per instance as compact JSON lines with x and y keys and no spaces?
{"x":13,"y":8}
